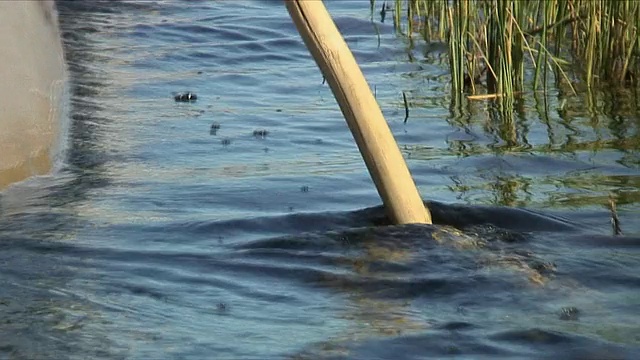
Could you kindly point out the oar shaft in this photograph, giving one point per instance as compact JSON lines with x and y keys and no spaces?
{"x":365,"y":120}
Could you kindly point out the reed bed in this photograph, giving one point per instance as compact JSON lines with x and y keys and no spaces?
{"x":496,"y":47}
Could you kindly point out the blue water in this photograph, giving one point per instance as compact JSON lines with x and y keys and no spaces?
{"x":164,"y":239}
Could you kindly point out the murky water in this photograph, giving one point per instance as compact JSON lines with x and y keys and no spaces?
{"x":167,"y":238}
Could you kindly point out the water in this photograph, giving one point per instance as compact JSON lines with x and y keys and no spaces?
{"x":164,"y":239}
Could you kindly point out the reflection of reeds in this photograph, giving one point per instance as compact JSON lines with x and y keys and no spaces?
{"x":492,"y":42}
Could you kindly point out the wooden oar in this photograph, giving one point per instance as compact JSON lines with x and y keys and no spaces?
{"x":361,"y":111}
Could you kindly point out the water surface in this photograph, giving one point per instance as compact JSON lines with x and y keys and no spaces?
{"x":166,"y":238}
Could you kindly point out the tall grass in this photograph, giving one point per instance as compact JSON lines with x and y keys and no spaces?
{"x":493,"y":44}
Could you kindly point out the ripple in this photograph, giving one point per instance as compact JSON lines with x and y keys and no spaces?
{"x":159,"y":242}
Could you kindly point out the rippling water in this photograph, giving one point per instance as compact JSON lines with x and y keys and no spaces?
{"x":167,"y":238}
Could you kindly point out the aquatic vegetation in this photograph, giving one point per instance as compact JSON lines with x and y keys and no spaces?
{"x":495,"y":47}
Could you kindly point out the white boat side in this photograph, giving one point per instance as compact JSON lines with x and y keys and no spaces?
{"x":33,"y":79}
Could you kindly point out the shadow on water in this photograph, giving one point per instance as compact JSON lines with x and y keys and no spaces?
{"x":487,"y":281}
{"x":497,"y":285}
{"x":499,"y":288}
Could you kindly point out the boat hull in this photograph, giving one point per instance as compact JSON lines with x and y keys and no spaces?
{"x":32,"y":83}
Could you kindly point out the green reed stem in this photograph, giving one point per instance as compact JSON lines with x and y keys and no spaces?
{"x":500,"y":39}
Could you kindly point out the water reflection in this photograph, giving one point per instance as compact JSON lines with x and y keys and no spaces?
{"x":598,"y":129}
{"x":87,"y":156}
{"x":372,"y":314}
{"x":154,"y":224}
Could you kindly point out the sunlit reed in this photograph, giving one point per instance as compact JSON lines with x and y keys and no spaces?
{"x":497,"y":46}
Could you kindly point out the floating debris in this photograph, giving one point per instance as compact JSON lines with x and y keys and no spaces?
{"x":226,"y":141}
{"x":261,"y":133}
{"x":185,"y":97}
{"x":615,"y":221}
{"x":383,"y":12}
{"x":214,"y":129}
{"x":569,"y":313}
{"x":406,"y":107}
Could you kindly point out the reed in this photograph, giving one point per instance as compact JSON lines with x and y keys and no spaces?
{"x":498,"y":46}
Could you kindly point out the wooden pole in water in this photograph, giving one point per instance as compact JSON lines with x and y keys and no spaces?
{"x":361,"y":111}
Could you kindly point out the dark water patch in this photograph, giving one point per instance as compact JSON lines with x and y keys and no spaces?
{"x":456,"y":326}
{"x":268,"y":35}
{"x":287,"y":224}
{"x":40,"y":318}
{"x":447,"y":343}
{"x":465,"y":216}
{"x":435,"y":344}
{"x":354,"y":27}
{"x":393,"y":253}
{"x":234,"y":53}
{"x":416,"y":265}
{"x":256,"y":58}
{"x":614,"y":271}
{"x":550,"y":344}
{"x":184,"y":32}
{"x":104,"y":7}
{"x":290,"y":44}
{"x":603,"y":241}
